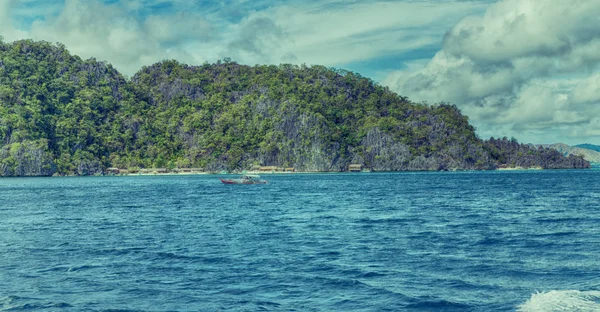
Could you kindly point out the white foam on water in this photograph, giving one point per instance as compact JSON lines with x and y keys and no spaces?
{"x":562,"y":300}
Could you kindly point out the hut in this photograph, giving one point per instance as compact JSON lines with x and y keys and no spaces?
{"x":355,"y":168}
{"x":112,"y":171}
{"x":268,"y":169}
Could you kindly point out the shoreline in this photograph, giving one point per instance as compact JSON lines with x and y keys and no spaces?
{"x":318,"y":172}
{"x":157,"y":172}
{"x":595,"y":168}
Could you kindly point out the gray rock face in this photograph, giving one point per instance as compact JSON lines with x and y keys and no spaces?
{"x":381,"y":153}
{"x":26,"y":159}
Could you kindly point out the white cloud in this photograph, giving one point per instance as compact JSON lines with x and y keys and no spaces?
{"x":400,"y":77}
{"x":115,"y":33}
{"x":334,"y":34}
{"x":525,"y":68}
{"x":587,"y":90}
{"x":326,"y":32}
{"x":8,"y":30}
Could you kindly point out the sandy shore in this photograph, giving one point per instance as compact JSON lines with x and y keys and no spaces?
{"x":520,"y":168}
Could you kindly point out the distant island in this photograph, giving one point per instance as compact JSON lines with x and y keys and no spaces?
{"x":589,"y":147}
{"x":589,"y":152}
{"x":61,"y":115}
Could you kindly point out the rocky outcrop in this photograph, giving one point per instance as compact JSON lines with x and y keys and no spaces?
{"x":26,"y":159}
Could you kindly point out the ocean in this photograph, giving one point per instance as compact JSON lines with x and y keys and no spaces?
{"x":426,"y":241}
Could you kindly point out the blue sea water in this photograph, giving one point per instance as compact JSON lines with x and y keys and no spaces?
{"x":453,"y":241}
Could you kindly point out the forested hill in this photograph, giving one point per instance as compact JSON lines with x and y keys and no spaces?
{"x":60,"y":114}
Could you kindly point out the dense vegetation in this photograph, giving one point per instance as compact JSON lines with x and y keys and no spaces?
{"x":60,"y":114}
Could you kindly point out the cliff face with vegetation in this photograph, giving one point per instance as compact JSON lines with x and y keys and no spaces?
{"x":61,"y":114}
{"x":226,"y":115}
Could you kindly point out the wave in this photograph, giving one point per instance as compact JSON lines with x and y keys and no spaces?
{"x":16,"y":303}
{"x":562,"y":300}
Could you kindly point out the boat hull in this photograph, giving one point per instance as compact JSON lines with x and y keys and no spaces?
{"x":239,"y":181}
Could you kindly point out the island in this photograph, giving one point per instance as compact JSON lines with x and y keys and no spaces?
{"x":62,"y":115}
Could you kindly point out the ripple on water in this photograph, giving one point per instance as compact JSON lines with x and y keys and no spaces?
{"x":17,"y":303}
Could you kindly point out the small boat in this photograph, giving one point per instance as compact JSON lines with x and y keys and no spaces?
{"x":245,"y":179}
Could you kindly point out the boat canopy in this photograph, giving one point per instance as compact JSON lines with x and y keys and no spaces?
{"x":252,"y":176}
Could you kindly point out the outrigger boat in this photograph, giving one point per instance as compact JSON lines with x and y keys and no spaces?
{"x":245,"y":179}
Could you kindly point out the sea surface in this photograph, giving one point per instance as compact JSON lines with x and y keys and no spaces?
{"x":437,"y":241}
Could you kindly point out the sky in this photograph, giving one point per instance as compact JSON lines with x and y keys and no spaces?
{"x":528,"y":69}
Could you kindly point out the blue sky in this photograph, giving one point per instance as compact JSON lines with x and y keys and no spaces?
{"x":522,"y":68}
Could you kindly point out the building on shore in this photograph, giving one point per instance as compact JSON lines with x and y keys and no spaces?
{"x":355,"y":168}
{"x":112,"y":171}
{"x":273,"y":169}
